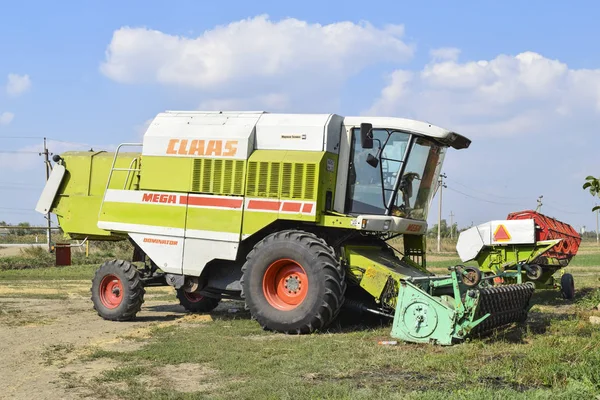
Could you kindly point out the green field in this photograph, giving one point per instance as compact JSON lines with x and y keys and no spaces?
{"x":555,"y":354}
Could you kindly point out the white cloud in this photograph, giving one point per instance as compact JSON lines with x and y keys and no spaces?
{"x":266,"y":56}
{"x":17,"y":84}
{"x":505,"y":95}
{"x":6,"y":118}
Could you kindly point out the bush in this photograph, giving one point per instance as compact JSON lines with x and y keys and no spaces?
{"x":38,"y":257}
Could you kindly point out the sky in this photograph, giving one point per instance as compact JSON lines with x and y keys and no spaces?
{"x":521,"y":79}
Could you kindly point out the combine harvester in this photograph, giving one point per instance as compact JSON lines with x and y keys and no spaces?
{"x":538,"y":244}
{"x":291,"y":213}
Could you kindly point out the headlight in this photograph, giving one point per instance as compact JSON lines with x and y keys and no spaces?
{"x":386,"y":225}
{"x":363,"y":225}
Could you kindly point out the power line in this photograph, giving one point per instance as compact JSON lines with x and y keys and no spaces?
{"x":484,"y":200}
{"x":487,"y":193}
{"x":564,"y":211}
{"x":21,"y":137}
{"x":19,"y":152}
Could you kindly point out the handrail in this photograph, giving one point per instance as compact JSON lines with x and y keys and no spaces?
{"x":129,"y":172}
{"x":112,"y":168}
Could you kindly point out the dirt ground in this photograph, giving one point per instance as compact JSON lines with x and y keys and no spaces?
{"x":9,"y":251}
{"x":42,"y":340}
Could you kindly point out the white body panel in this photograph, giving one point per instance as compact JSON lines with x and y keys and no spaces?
{"x":49,"y":193}
{"x":198,"y":252}
{"x":261,"y":131}
{"x":473,"y":240}
{"x":166,"y":251}
{"x":236,"y":128}
{"x":401,"y":124}
{"x":310,"y":132}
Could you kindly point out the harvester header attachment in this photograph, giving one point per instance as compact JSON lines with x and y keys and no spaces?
{"x":469,"y":311}
{"x":541,"y":245}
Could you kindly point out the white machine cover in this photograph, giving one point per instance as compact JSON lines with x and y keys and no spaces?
{"x":493,"y":233}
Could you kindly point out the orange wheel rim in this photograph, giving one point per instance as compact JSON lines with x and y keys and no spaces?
{"x":111,"y":291}
{"x":285,"y":284}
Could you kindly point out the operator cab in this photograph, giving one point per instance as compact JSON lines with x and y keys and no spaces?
{"x":393,"y":168}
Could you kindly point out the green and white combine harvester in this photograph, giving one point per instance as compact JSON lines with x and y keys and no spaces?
{"x":291,"y":213}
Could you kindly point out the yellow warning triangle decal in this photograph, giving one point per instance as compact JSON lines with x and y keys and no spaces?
{"x":501,"y":234}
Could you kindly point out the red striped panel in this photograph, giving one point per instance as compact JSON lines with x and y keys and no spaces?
{"x":307,"y":208}
{"x":263,"y":205}
{"x":214,"y":202}
{"x":290,"y":206}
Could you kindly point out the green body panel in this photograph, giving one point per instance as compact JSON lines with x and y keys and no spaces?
{"x":288,"y":175}
{"x":372,"y":269}
{"x":337,"y":221}
{"x":78,"y":200}
{"x":166,"y":174}
{"x":498,"y":258}
{"x":144,"y":214}
{"x":194,"y":175}
{"x":207,"y":219}
{"x":495,"y":259}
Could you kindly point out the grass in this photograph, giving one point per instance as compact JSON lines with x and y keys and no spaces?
{"x":73,"y":272}
{"x":553,"y":356}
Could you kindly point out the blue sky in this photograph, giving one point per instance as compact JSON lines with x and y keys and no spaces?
{"x":522,"y":79}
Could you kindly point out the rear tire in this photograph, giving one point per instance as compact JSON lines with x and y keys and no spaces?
{"x":293,"y":283}
{"x":117,"y":291}
{"x":567,"y":286}
{"x":196,"y":303}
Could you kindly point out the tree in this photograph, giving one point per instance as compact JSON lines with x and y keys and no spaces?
{"x":21,"y":229}
{"x":444,"y":231}
{"x":593,"y":185}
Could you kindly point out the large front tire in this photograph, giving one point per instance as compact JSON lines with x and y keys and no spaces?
{"x":117,"y":291}
{"x":293,"y":283}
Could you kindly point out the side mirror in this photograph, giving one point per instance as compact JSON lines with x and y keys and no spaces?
{"x":372,"y":160}
{"x":366,"y":135}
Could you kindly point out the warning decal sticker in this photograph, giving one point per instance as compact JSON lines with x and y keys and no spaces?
{"x":501,"y":234}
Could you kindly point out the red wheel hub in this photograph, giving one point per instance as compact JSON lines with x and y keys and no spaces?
{"x":285,"y":284}
{"x":193,"y":297}
{"x":111,"y":291}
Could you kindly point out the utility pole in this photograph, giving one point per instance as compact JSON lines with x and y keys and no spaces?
{"x":439,"y":237}
{"x":540,"y":204}
{"x":452,"y":225}
{"x":46,"y":155}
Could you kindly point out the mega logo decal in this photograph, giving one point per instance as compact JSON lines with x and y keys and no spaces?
{"x":159,"y":198}
{"x":413,"y":228}
{"x":219,"y":148}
